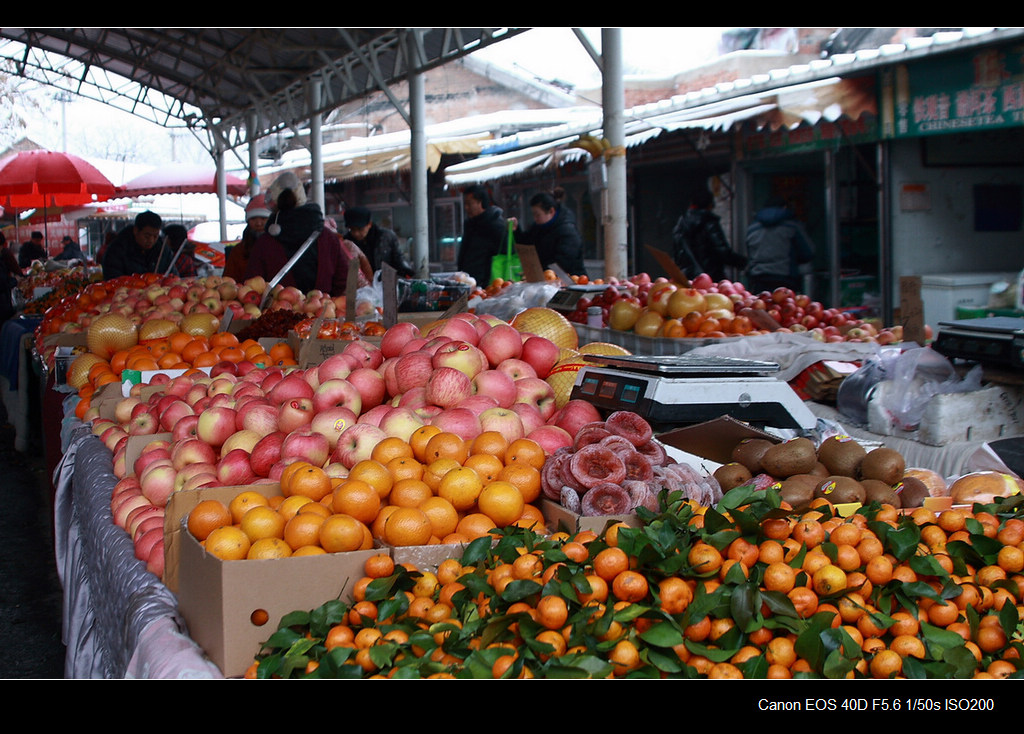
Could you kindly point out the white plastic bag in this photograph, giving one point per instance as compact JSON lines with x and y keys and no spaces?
{"x":919,"y":375}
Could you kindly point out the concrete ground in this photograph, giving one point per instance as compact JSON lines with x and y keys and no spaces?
{"x":30,"y":591}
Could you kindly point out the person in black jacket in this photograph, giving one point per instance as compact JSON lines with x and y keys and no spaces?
{"x":9,"y":274}
{"x":554,"y":234}
{"x":137,"y":249}
{"x":484,"y":234}
{"x":700,"y":242}
{"x":32,"y":250}
{"x":379,"y":244}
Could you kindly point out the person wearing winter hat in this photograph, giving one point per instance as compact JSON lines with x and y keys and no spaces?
{"x":256,"y":214}
{"x":380,"y":244}
{"x":292,"y":220}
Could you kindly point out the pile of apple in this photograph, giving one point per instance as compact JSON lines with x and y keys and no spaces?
{"x":242,"y":425}
{"x":663,"y":308}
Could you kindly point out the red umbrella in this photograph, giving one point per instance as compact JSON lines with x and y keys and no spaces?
{"x":181,"y":179}
{"x":36,"y":179}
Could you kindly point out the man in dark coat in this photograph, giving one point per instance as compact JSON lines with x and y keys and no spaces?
{"x":32,"y":250}
{"x":700,"y":242}
{"x":137,"y":249}
{"x":484,"y":234}
{"x":553,"y":233}
{"x":379,"y":244}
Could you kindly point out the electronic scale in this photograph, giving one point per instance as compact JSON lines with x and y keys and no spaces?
{"x":565,"y":299}
{"x":996,"y":340}
{"x":674,"y":390}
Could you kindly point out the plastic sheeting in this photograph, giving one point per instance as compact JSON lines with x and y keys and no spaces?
{"x":119,"y":620}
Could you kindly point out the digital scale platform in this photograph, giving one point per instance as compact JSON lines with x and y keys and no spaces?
{"x":674,"y":390}
{"x":996,"y":340}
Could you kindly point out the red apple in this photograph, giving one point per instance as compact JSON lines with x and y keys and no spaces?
{"x":505,"y":421}
{"x":460,"y":421}
{"x":501,"y":342}
{"x":540,"y":353}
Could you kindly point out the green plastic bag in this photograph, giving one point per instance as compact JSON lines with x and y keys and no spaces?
{"x":507,"y":266}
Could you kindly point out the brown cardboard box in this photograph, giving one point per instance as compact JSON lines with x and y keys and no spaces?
{"x":714,"y":439}
{"x":559,"y":518}
{"x":217,"y":598}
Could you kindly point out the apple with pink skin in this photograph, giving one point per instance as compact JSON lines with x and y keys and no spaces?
{"x":259,"y":416}
{"x":400,"y":422}
{"x":266,"y":453}
{"x":145,"y":518}
{"x":398,"y":336}
{"x":157,"y":482}
{"x":173,"y":413}
{"x":335,"y":367}
{"x":387,"y":371}
{"x":335,"y":393}
{"x":460,"y":421}
{"x":517,"y":369}
{"x":427,"y":412}
{"x":124,"y":409}
{"x":540,"y":353}
{"x":376,"y":414}
{"x":112,"y":435}
{"x":478,"y":403}
{"x":292,"y":386}
{"x":219,"y":400}
{"x":458,"y":329}
{"x":332,"y":422}
{"x":144,"y":422}
{"x":243,"y":439}
{"x":574,"y":415}
{"x":551,"y":438}
{"x":295,"y":413}
{"x":190,"y":470}
{"x":412,"y":370}
{"x":146,"y":543}
{"x":234,"y":469}
{"x":462,"y":356}
{"x":215,"y":425}
{"x":496,"y":384}
{"x":126,"y":506}
{"x":192,"y":451}
{"x":436,"y":342}
{"x":179,"y":386}
{"x":413,"y":345}
{"x":306,"y":445}
{"x":530,"y":416}
{"x":503,"y":420}
{"x":538,"y":393}
{"x":370,"y":385}
{"x":185,"y":428}
{"x":365,"y":354}
{"x":147,"y":457}
{"x":356,"y":444}
{"x":448,"y":386}
{"x":501,"y":342}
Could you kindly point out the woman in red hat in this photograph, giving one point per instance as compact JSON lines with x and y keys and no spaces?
{"x":256,"y":215}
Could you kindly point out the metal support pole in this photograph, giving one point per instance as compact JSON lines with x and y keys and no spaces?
{"x":832,"y":219}
{"x":222,"y":195}
{"x":418,"y":176}
{"x":316,"y":159}
{"x":254,"y":162}
{"x":616,"y":255}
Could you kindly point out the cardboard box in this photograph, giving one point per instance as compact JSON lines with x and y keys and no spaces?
{"x":559,"y":519}
{"x":424,"y":557}
{"x":713,"y":440}
{"x":217,"y":598}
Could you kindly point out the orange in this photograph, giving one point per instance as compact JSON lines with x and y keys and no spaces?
{"x":809,"y":532}
{"x":770,"y":551}
{"x":377,"y":526}
{"x":307,"y":481}
{"x":779,"y":576}
{"x":262,"y":521}
{"x":674,"y":595}
{"x":1010,"y":559}
{"x":418,"y":441}
{"x":610,"y":562}
{"x":390,"y":448}
{"x":286,"y":475}
{"x":624,"y":657}
{"x":356,"y":498}
{"x":525,"y":478}
{"x":780,"y":651}
{"x":500,"y":501}
{"x":281,"y":350}
{"x":268,"y":548}
{"x":491,"y":443}
{"x":828,"y":580}
{"x":525,"y":451}
{"x":630,"y":586}
{"x":475,"y":525}
{"x":407,"y":526}
{"x":342,"y":533}
{"x":340,"y":635}
{"x":886,"y":664}
{"x":462,"y":487}
{"x":488,"y":467}
{"x":704,"y":558}
{"x":373,"y":473}
{"x":303,"y":530}
{"x":223,"y":339}
{"x":228,"y":543}
{"x":435,"y":470}
{"x":446,"y":445}
{"x":289,"y":506}
{"x":804,"y":600}
{"x":576,"y":551}
{"x":410,"y":493}
{"x":178,"y":340}
{"x":443,"y":516}
{"x":552,"y":611}
{"x":879,"y":570}
{"x":207,"y":516}
{"x":404,"y":467}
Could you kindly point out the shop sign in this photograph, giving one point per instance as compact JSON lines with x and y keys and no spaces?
{"x":955,"y":93}
{"x":806,"y":138}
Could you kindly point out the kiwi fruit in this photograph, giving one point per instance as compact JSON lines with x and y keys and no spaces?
{"x":798,"y":490}
{"x":732,"y":475}
{"x":820,"y":470}
{"x":795,"y":456}
{"x":912,"y":492}
{"x":884,"y":464}
{"x":876,"y":491}
{"x":749,"y":451}
{"x":839,"y":489}
{"x":841,"y":455}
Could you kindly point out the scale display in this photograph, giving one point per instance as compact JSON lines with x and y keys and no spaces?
{"x":679,"y":390}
